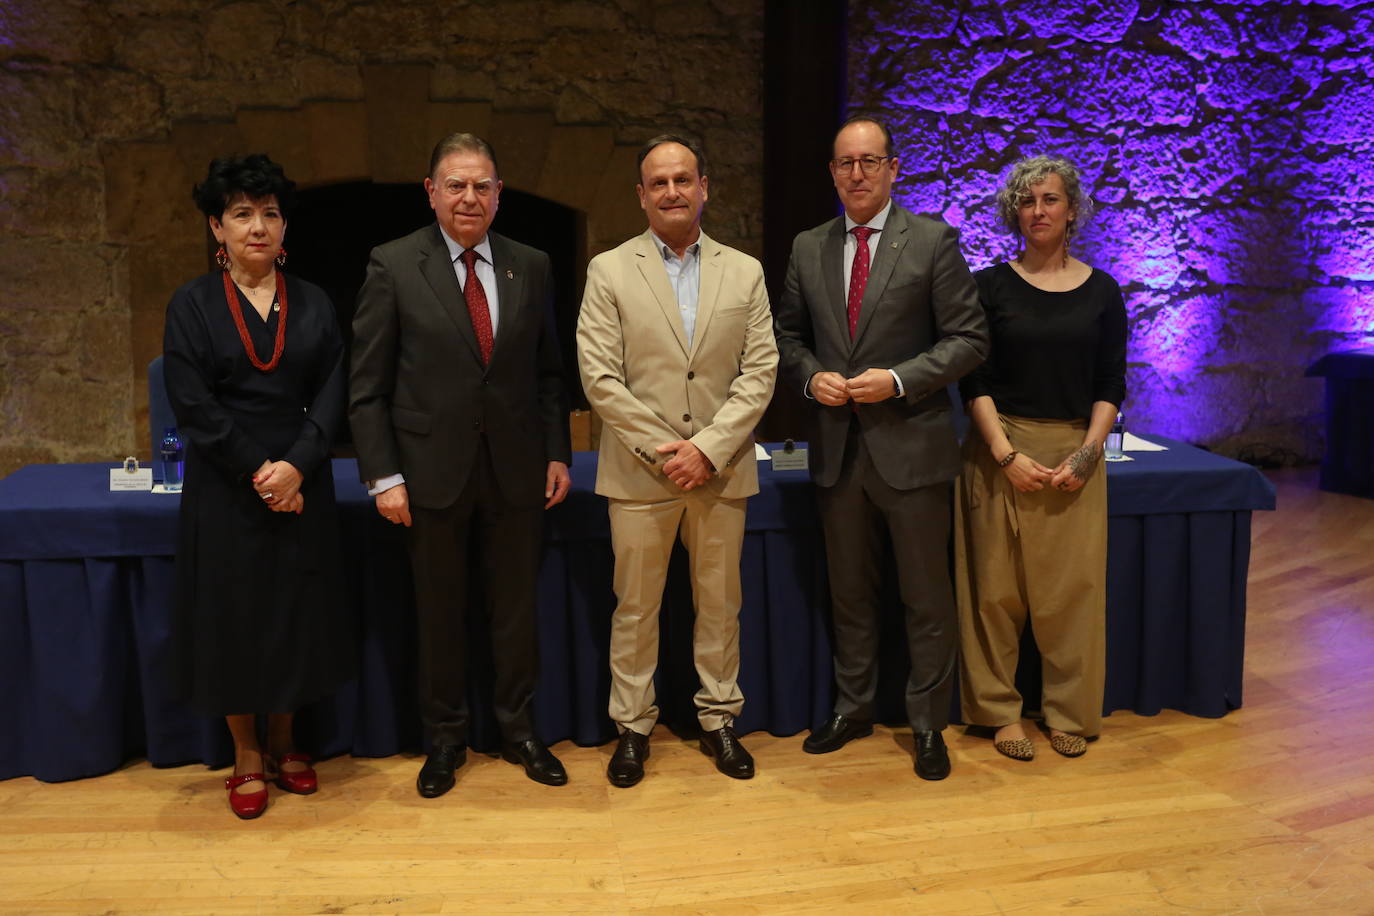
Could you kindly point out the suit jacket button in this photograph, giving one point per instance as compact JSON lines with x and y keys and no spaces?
{"x":691,"y":375}
{"x":686,"y":417}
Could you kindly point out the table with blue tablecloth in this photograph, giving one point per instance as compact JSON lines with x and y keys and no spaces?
{"x":1348,"y":462}
{"x":86,"y":583}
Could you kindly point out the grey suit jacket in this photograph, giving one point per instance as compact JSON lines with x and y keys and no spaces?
{"x":420,"y":399}
{"x":920,"y":316}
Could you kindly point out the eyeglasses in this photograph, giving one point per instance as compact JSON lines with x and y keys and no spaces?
{"x":869,"y":165}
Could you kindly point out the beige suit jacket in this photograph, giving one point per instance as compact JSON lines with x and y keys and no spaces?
{"x":649,"y":386}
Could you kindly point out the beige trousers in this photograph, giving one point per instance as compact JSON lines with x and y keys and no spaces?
{"x":1039,"y":557}
{"x":642,"y":535}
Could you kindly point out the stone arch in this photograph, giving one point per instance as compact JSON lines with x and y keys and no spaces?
{"x":385,"y":137}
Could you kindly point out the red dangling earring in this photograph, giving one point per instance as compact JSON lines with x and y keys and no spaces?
{"x":281,"y":257}
{"x":222,"y":258}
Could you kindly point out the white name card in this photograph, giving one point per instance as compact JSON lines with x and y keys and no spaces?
{"x":129,"y":476}
{"x":795,"y":460}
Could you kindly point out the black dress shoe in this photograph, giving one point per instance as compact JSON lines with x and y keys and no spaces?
{"x":932,"y":759}
{"x":436,"y":776}
{"x":730,"y":756}
{"x":835,"y":734}
{"x":627,"y":763}
{"x":539,"y":762}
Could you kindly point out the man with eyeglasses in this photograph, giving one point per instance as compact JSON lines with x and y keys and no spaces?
{"x":460,"y":418}
{"x":879,"y":314}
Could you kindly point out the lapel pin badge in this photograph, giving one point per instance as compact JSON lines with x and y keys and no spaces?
{"x":894,"y":244}
{"x":510,"y":274}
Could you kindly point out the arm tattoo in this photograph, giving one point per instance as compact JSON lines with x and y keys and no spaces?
{"x":1082,"y":462}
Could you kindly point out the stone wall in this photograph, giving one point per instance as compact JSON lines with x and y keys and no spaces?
{"x":1228,"y":146}
{"x":110,"y":111}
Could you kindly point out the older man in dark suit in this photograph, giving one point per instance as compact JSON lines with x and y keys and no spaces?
{"x":460,"y":418}
{"x":878,"y":315}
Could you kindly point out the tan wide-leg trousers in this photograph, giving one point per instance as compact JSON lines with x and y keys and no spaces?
{"x":642,"y":535}
{"x":1040,"y":557}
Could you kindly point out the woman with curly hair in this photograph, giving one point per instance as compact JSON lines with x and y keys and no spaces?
{"x":1031,"y":504}
{"x":253,"y":361}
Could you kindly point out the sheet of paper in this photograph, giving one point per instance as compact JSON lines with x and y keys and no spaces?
{"x":1137,"y":444}
{"x":760,"y":452}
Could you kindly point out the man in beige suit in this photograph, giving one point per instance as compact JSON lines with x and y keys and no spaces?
{"x":677,"y":355}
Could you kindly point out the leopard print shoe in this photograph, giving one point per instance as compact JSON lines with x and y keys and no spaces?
{"x":1015,"y":748}
{"x":1069,"y":745}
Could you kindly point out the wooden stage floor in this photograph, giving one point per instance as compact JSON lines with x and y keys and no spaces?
{"x":1268,"y":810}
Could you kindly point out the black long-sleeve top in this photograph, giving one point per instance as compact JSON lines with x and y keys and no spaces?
{"x":222,"y":404}
{"x":1053,"y":353}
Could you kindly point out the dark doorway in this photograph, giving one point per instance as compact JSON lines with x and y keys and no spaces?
{"x":334,"y":229}
{"x":804,"y":60}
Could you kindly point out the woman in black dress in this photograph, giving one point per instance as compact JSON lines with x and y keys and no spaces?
{"x":1031,"y":504}
{"x":254,"y":371}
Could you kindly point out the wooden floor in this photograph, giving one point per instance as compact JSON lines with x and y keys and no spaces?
{"x":1269,"y":810}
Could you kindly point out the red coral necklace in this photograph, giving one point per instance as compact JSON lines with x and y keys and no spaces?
{"x":231,"y":296}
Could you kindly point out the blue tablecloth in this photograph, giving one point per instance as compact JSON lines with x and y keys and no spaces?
{"x":1348,"y":462}
{"x":86,"y":579}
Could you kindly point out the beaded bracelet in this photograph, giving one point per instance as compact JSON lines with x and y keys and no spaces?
{"x":1011,"y":456}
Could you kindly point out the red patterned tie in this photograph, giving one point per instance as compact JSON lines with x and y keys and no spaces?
{"x":858,"y":275}
{"x":481,"y":315}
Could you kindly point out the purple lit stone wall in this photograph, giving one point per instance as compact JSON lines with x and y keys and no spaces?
{"x":1228,"y":148}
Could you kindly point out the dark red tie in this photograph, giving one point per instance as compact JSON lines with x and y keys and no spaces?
{"x":858,"y":275}
{"x":481,"y":315}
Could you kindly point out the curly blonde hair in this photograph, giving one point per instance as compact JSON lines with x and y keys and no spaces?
{"x":1031,"y":171}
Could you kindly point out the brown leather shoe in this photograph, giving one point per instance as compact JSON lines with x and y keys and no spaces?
{"x":730,"y":756}
{"x":627,"y":763}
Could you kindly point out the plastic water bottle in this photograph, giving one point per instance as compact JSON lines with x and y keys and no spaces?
{"x":173,"y":460}
{"x":1116,"y":438}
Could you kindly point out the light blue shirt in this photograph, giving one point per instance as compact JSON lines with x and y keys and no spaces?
{"x":684,"y":276}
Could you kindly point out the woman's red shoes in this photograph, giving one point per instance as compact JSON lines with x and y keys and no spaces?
{"x":246,"y":805}
{"x":249,"y":805}
{"x":301,"y":782}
